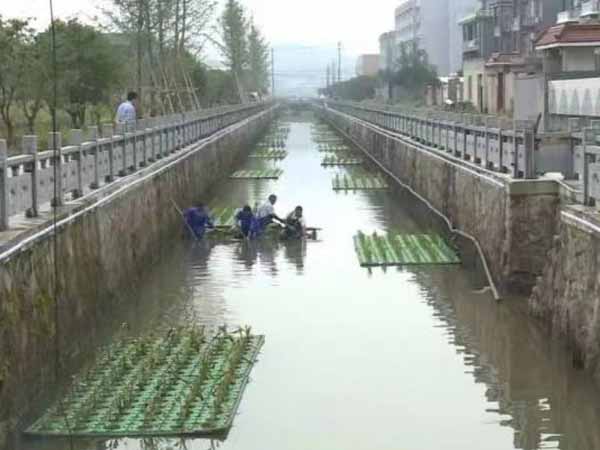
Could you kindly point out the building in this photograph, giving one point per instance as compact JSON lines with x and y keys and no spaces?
{"x":433,"y":26}
{"x":367,"y":65}
{"x":425,"y":23}
{"x":499,"y":54}
{"x":571,"y":61}
{"x":457,"y":9}
{"x":389,"y":51}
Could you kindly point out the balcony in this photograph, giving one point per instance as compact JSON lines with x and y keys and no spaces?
{"x":567,"y":16}
{"x":590,"y":8}
{"x":471,"y":46}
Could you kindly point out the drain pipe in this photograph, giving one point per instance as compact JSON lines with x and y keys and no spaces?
{"x":451,"y":227}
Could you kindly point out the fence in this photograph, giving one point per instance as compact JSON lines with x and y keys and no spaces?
{"x":99,"y":156}
{"x":491,"y":142}
{"x":586,"y":153}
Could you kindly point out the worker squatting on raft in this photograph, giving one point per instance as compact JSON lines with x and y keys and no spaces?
{"x":295,"y":225}
{"x":198,"y":220}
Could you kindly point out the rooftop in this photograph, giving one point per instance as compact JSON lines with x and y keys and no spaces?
{"x":569,"y":35}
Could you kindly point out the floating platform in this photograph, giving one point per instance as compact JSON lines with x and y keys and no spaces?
{"x":270,"y":153}
{"x":403,"y":250}
{"x":332,"y":141}
{"x":359,"y":183}
{"x":337,"y":160}
{"x":224,"y":219}
{"x":334,"y":148}
{"x":265,"y":174}
{"x":182,"y":384}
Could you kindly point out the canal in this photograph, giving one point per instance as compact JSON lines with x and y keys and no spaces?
{"x":403,"y":359}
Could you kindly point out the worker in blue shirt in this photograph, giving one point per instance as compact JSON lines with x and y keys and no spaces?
{"x":198,"y":220}
{"x":247,"y":223}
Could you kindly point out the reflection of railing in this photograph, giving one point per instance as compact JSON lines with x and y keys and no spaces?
{"x":490,"y":142}
{"x":99,"y":156}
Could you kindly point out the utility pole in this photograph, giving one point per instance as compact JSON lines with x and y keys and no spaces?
{"x":328,"y":76}
{"x":272,"y":72}
{"x":339,"y":62}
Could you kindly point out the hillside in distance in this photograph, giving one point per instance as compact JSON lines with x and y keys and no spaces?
{"x":301,"y":70}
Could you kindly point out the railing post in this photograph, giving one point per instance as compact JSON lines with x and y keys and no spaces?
{"x":75,"y":140}
{"x":588,"y":135}
{"x":150,"y":133}
{"x":93,"y":137}
{"x":108,"y":133}
{"x":30,"y":147}
{"x":132,"y":136}
{"x":4,"y":206}
{"x":529,"y":144}
{"x":55,"y":143}
{"x":515,"y":151}
{"x":146,"y":133}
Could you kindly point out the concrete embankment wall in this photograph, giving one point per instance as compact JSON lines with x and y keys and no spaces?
{"x":102,"y":250}
{"x":514,"y":221}
{"x":567,"y":296}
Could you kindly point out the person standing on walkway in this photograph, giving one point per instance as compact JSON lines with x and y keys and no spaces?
{"x":127,"y":111}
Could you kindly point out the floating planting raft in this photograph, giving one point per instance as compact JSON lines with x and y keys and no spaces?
{"x":333,"y":148}
{"x":264,"y":174}
{"x":358,"y":183}
{"x":269,"y":153}
{"x":224,"y":217}
{"x":337,"y":160}
{"x":184,"y":383}
{"x":400,"y":250}
{"x":329,"y":140}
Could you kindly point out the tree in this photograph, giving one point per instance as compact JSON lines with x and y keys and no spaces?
{"x":258,"y":60}
{"x":414,"y":71}
{"x":88,"y":68}
{"x":34,"y":87}
{"x":356,"y":89}
{"x":234,"y":40}
{"x":15,"y":37}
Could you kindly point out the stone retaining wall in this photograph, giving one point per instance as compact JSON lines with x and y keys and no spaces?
{"x":567,"y":296}
{"x":513,"y":220}
{"x":107,"y":248}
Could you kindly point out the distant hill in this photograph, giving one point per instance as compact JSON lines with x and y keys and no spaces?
{"x":301,"y":70}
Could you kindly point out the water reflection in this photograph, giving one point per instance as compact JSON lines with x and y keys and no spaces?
{"x":528,"y":381}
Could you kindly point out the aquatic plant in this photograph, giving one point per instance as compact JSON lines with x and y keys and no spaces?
{"x":153,"y":386}
{"x":397,"y":249}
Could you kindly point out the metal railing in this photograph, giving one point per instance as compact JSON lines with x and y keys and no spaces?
{"x":99,"y":156}
{"x":586,"y":158}
{"x":496,"y":144}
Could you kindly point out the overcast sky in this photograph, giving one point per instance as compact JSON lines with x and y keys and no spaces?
{"x":309,"y":22}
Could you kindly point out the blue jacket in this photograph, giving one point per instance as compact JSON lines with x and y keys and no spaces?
{"x":198,"y":221}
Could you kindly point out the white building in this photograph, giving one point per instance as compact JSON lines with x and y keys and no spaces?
{"x":388,"y":51}
{"x":433,"y":24}
{"x":367,"y":65}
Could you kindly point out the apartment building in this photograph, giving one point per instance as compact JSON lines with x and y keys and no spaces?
{"x":389,"y":51}
{"x":425,"y":22}
{"x":367,"y":65}
{"x":571,"y":60}
{"x":499,"y":49}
